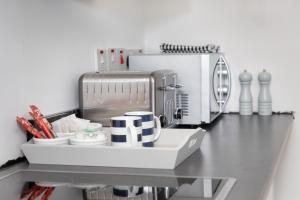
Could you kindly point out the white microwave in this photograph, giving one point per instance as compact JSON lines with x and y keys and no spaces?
{"x":205,"y":78}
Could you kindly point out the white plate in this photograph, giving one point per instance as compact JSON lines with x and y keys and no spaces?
{"x":89,"y":186}
{"x":72,"y":142}
{"x":51,"y":184}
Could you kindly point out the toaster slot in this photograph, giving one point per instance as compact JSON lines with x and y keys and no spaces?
{"x":98,"y":93}
{"x":146,"y":92}
{"x":90,"y":88}
{"x":138,"y":92}
{"x":133,"y":93}
{"x":85,"y":89}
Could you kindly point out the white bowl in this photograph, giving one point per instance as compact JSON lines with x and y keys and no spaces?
{"x":60,"y":140}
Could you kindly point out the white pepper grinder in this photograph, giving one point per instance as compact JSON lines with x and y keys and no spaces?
{"x":264,"y":97}
{"x":246,"y":103}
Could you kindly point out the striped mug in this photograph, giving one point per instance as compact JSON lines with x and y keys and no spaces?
{"x":149,"y":135}
{"x":127,"y":191}
{"x":126,"y":131}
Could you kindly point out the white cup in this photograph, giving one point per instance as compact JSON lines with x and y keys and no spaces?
{"x":126,"y":131}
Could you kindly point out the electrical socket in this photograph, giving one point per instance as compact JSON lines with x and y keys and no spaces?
{"x":101,"y":60}
{"x":113,"y":59}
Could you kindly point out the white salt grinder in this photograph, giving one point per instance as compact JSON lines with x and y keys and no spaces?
{"x":246,"y":107}
{"x":264,"y":97}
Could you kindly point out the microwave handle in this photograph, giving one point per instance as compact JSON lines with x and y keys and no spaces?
{"x":223,"y":89}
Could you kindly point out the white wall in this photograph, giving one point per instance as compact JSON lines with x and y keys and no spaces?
{"x":46,"y":45}
{"x":254,"y":34}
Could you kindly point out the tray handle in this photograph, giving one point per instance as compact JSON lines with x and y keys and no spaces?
{"x":192,"y":142}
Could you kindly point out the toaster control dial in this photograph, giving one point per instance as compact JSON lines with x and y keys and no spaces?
{"x":167,"y":88}
{"x":177,"y":86}
{"x":178,"y":114}
{"x":171,"y":87}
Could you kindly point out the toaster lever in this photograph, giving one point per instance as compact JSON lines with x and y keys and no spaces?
{"x":178,"y":113}
{"x":176,"y":86}
{"x":163,"y":120}
{"x":167,"y":88}
{"x":171,"y":87}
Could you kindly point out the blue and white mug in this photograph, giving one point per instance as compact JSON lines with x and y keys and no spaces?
{"x":149,"y":135}
{"x":126,"y":131}
{"x":127,"y":191}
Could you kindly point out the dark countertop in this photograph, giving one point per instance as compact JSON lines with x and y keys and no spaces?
{"x":247,"y":148}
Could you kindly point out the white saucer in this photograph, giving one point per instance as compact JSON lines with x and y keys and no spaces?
{"x":51,"y":184}
{"x":61,"y":139}
{"x":85,"y":139}
{"x":88,"y":186}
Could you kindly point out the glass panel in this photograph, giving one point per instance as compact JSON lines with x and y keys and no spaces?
{"x":52,"y":186}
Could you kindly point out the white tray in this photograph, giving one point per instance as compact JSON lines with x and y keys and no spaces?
{"x":173,"y":147}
